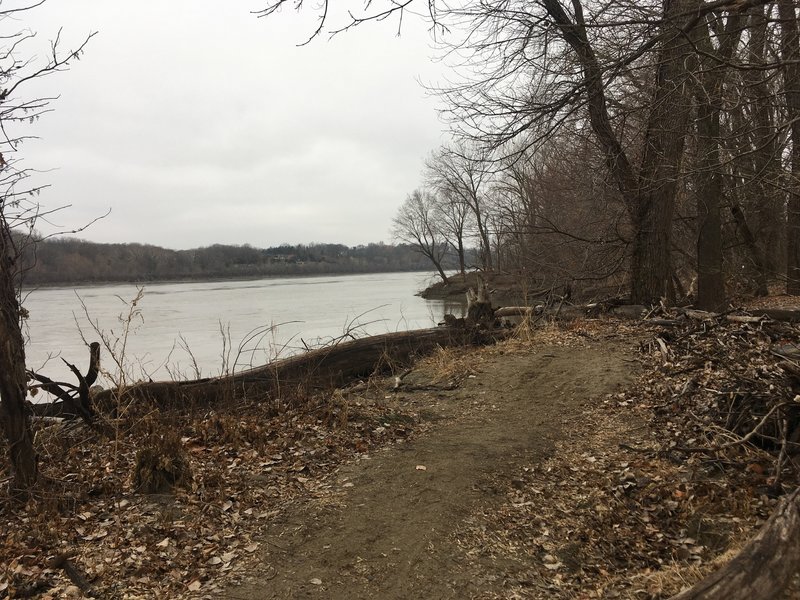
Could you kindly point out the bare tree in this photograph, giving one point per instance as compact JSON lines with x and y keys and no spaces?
{"x":461,"y":174}
{"x":633,"y":75}
{"x":417,"y":223}
{"x":756,"y":115}
{"x":650,"y":193}
{"x":18,"y":214}
{"x":559,"y":218}
{"x":455,"y":220}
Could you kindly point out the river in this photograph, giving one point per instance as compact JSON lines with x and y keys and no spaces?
{"x":190,"y":329}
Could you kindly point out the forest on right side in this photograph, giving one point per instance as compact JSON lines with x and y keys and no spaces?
{"x":650,"y":148}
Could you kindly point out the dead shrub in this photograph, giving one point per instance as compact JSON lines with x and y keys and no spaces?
{"x":161,"y":465}
{"x":334,"y":411}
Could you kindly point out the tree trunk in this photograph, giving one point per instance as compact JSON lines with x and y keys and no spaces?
{"x":790,"y":55}
{"x":650,"y":196}
{"x":13,"y":412}
{"x":442,"y":274}
{"x":663,"y":149}
{"x":710,"y":280}
{"x":650,"y":263}
{"x":763,"y":569}
{"x":616,"y":158}
{"x":768,"y":201}
{"x":750,"y":242}
{"x":486,"y":243}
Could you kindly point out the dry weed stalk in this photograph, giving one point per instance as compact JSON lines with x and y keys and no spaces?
{"x":449,"y":364}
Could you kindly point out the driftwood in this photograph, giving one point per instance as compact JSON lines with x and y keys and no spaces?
{"x":569,"y":311}
{"x":763,"y":569}
{"x":320,"y":368}
{"x":517,"y":311}
{"x":75,"y":400}
{"x":755,"y":315}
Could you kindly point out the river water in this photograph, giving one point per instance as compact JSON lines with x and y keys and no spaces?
{"x":186,"y":330}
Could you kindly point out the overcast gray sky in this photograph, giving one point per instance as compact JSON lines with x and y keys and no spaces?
{"x":198,"y":123}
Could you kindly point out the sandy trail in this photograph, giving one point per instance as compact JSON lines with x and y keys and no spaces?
{"x":390,"y":534}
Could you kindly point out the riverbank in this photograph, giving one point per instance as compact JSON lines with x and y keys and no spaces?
{"x":545,"y":467}
{"x":506,"y":289}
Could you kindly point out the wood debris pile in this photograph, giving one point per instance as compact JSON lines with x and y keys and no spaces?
{"x":90,"y":533}
{"x":728,"y":390}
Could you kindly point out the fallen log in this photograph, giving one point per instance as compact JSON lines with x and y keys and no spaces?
{"x":755,"y":315}
{"x":569,"y":311}
{"x":517,"y":311}
{"x":331,"y":366}
{"x":763,"y":569}
{"x":777,"y":314}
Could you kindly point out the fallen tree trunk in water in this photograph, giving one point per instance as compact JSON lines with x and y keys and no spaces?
{"x":330,"y":366}
{"x":763,"y":569}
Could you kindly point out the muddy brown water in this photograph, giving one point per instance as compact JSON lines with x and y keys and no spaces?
{"x":179,"y":328}
{"x":391,"y":535}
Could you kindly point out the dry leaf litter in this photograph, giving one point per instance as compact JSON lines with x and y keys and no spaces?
{"x":653,"y":488}
{"x":641,"y":497}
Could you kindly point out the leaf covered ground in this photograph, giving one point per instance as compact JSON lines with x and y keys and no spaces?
{"x":654,"y":487}
{"x":636,"y":493}
{"x":242,"y":465}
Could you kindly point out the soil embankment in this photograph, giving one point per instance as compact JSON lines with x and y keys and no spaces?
{"x":386,"y":527}
{"x":506,"y":289}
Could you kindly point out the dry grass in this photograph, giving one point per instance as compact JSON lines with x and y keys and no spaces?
{"x":449,"y":364}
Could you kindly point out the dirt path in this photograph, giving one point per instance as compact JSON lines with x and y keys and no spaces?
{"x":387,"y":532}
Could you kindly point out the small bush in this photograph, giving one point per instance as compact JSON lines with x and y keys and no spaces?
{"x":161,"y":465}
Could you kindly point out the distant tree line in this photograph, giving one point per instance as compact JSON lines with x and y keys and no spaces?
{"x":65,"y":260}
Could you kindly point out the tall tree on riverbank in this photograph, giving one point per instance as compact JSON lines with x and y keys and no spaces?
{"x":417,"y":223}
{"x":709,"y":189}
{"x":455,"y":220}
{"x":18,"y":214}
{"x":548,"y":63}
{"x":460,"y":174}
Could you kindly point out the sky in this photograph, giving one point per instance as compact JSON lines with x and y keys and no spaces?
{"x":196,"y":123}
